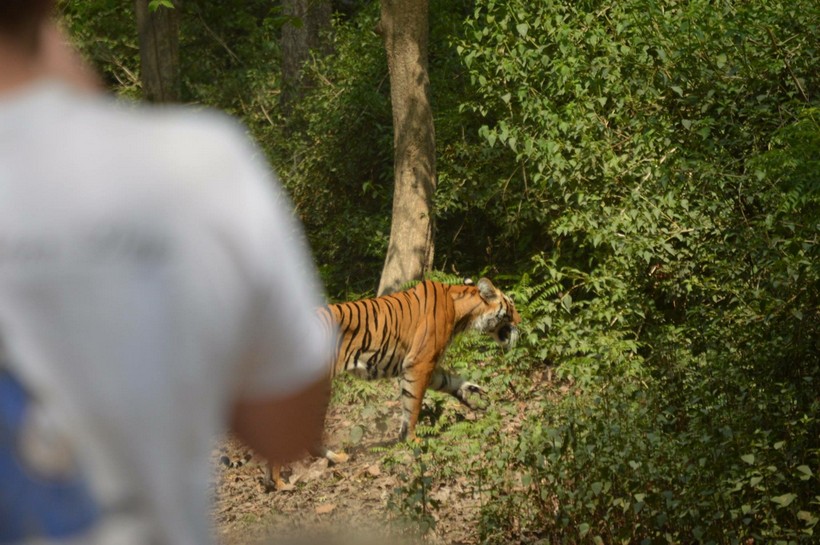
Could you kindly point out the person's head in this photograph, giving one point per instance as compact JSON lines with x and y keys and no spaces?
{"x":21,"y":20}
{"x":32,"y":45}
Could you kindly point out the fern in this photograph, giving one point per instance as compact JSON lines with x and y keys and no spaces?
{"x":445,"y":278}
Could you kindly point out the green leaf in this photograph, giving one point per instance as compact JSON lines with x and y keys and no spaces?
{"x":748,"y":458}
{"x":785,"y":500}
{"x":522,"y":29}
{"x":807,"y":517}
{"x":687,"y":123}
{"x":356,"y":434}
{"x":805,"y":472}
{"x":154,"y":5}
{"x":566,"y":302}
{"x":678,"y":90}
{"x":583,"y":529}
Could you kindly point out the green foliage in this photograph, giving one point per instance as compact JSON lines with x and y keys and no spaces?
{"x":154,"y":5}
{"x":606,"y":465}
{"x":106,"y":33}
{"x":412,"y":498}
{"x":228,"y":52}
{"x":335,"y":156}
{"x":669,"y":155}
{"x":664,"y":158}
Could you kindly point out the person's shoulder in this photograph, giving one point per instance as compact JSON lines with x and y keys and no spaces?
{"x":179,"y":128}
{"x":196,"y":123}
{"x":205,"y":144}
{"x":176,"y":145}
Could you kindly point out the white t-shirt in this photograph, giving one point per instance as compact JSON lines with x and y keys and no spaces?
{"x":150,"y":275}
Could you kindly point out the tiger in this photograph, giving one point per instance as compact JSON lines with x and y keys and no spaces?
{"x":405,"y":335}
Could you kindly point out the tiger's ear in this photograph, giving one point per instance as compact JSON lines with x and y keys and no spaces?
{"x":486,"y":289}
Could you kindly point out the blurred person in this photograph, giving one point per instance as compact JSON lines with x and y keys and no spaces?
{"x":154,"y":291}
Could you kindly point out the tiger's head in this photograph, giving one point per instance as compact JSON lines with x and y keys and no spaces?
{"x":496,"y":314}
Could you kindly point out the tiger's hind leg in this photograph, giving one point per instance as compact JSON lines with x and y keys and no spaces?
{"x":273,"y":472}
{"x":332,"y":457}
{"x":273,"y":478}
{"x":413,"y":385}
{"x":463,"y":390}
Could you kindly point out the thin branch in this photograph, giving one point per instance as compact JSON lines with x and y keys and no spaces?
{"x":788,"y":66}
{"x":219,"y":40}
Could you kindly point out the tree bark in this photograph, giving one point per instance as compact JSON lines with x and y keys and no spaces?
{"x":404,"y":28}
{"x":307,"y":19}
{"x":159,"y":51}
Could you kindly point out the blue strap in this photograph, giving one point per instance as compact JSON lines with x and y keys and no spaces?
{"x":34,"y":504}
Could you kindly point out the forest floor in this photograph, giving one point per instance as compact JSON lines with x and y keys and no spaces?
{"x":354,"y":502}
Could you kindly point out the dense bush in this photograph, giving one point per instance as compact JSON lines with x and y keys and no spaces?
{"x":335,"y":156}
{"x":669,"y":158}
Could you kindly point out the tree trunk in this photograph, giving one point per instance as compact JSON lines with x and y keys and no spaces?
{"x":159,"y":51}
{"x":306,"y":21}
{"x":404,"y":27}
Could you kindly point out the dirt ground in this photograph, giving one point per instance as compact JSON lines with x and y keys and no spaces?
{"x":349,"y":502}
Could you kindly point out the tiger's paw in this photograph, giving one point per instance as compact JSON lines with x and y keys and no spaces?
{"x":407,"y":435}
{"x":473,"y":396}
{"x":336,"y":457}
{"x":270,"y":485}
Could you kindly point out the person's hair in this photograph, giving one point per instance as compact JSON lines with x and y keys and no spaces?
{"x":19,"y":17}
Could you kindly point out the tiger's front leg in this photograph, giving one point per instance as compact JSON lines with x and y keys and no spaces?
{"x":442,"y":381}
